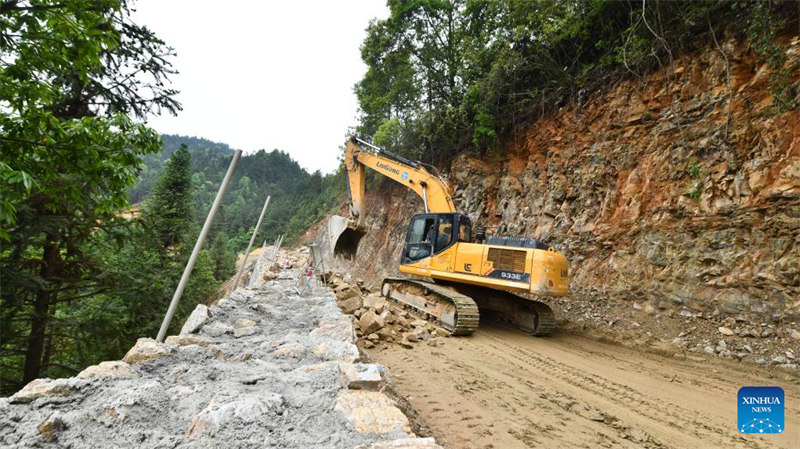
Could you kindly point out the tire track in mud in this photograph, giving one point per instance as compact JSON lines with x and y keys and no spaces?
{"x":502,"y":389}
{"x":569,"y":404}
{"x":663,"y":413}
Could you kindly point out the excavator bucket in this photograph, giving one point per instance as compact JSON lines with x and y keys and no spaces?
{"x":344,"y":237}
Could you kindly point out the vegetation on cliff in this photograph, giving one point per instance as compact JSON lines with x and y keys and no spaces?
{"x":447,"y":76}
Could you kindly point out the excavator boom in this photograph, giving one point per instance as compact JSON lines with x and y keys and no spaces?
{"x":431,"y":188}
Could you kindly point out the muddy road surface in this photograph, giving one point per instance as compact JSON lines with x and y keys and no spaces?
{"x":500,"y":388}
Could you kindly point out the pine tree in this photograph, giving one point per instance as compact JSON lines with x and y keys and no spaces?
{"x":169,"y":212}
{"x":222,"y":257}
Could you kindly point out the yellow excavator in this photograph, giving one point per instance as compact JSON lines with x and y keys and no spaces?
{"x":463,"y":277}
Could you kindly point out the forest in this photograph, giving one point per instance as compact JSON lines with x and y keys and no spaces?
{"x":80,"y":280}
{"x":451,"y":76}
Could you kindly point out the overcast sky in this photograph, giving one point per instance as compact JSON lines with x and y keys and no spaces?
{"x":265,"y":74}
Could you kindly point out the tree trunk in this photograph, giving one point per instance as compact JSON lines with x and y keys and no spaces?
{"x":48,"y":343}
{"x":41,"y":313}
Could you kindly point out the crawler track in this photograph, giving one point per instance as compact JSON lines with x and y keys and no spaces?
{"x":456,"y":307}
{"x":454,"y":311}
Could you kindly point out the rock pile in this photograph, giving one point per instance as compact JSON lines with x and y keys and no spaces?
{"x":378,"y":320}
{"x":261,"y":368}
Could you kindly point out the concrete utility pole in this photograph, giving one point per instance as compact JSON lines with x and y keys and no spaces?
{"x":256,"y":273}
{"x":250,"y":245}
{"x":197,"y":247}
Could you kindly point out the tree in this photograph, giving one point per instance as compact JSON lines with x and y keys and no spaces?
{"x":73,"y":77}
{"x":222,"y":257}
{"x":169,"y":211}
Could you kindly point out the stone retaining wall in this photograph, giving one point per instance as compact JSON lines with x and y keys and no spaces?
{"x":264,"y":367}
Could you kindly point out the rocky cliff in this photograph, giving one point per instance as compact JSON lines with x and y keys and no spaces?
{"x":675,"y":196}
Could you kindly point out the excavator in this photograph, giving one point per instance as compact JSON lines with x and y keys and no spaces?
{"x":457,"y":278}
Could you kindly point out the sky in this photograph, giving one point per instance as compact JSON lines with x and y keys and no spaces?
{"x":265,"y":74}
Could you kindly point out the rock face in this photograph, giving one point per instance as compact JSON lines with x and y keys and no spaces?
{"x":647,"y":190}
{"x":269,"y":368}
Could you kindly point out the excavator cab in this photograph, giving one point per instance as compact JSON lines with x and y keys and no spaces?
{"x":430,"y":234}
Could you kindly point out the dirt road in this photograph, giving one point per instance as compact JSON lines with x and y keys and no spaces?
{"x":502,"y":389}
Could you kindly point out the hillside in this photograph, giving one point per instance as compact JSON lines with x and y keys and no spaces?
{"x":675,"y":220}
{"x":675,"y":197}
{"x":299,"y":198}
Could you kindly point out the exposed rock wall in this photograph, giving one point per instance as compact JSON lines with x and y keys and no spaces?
{"x":263,"y":368}
{"x":672,"y":190}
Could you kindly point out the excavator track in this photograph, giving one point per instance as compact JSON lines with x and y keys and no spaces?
{"x":458,"y":308}
{"x":454,"y":311}
{"x":528,"y":315}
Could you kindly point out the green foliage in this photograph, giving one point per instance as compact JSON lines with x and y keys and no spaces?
{"x":467,"y":74}
{"x":761,"y":37}
{"x":694,"y":169}
{"x":299,"y":198}
{"x":73,"y":76}
{"x":222,"y":257}
{"x":169,"y":211}
{"x":695,"y":189}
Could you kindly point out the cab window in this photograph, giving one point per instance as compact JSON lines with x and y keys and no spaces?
{"x":420,"y":238}
{"x":445,"y":232}
{"x":464,"y":230}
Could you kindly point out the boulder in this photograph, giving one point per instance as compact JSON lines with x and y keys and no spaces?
{"x":375,"y":302}
{"x":336,"y":351}
{"x":418,"y":323}
{"x":421,"y":333}
{"x":186,"y":340}
{"x":108,"y":370}
{"x":340,"y":330}
{"x":145,"y":350}
{"x":347,"y":294}
{"x":289,"y":350}
{"x":243,"y":322}
{"x":349,"y":306}
{"x":386,"y":333}
{"x":238,"y":412}
{"x":370,"y":322}
{"x":405,"y":343}
{"x":362,"y":376}
{"x":245,"y":331}
{"x":44,"y":388}
{"x":371,"y":412}
{"x":217,"y":329}
{"x":196,"y":320}
{"x":387,"y":315}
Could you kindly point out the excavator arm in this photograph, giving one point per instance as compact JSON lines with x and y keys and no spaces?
{"x":432,"y":189}
{"x":345,"y":234}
